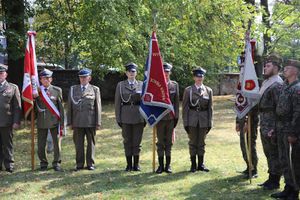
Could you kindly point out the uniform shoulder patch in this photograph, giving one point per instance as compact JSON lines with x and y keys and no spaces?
{"x":56,"y":88}
{"x":13,"y":85}
{"x":95,"y":87}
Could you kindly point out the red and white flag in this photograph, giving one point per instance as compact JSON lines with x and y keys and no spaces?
{"x":247,"y":95}
{"x":30,"y":82}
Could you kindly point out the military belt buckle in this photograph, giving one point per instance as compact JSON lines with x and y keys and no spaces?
{"x":131,"y":104}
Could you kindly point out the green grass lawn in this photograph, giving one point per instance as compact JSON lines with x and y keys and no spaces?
{"x":110,"y":181}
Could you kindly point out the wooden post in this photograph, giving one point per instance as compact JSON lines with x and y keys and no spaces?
{"x":32,"y":139}
{"x":154,"y":148}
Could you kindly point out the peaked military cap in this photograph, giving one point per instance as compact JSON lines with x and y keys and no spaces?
{"x":199,"y":72}
{"x":85,"y":72}
{"x":167,"y":67}
{"x":3,"y":68}
{"x":131,"y":67}
{"x":46,"y":73}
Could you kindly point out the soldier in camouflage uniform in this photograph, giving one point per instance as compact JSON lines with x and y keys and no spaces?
{"x":288,"y":130}
{"x":267,"y":110}
{"x":241,"y":127}
{"x":166,"y":125}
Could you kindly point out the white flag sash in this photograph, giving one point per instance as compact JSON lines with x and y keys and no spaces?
{"x":268,"y":82}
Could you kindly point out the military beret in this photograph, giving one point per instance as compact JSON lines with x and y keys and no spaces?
{"x":274,"y":58}
{"x":3,"y":68}
{"x":131,"y":67}
{"x":294,"y":63}
{"x":46,"y":73}
{"x":167,"y":67}
{"x":199,"y":72}
{"x":85,"y":72}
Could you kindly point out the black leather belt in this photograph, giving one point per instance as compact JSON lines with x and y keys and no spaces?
{"x":198,"y":109}
{"x":132,"y":103}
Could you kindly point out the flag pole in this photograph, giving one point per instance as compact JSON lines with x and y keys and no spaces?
{"x":31,"y":21}
{"x":32,"y":140}
{"x":249,"y":147}
{"x":154,"y":128}
{"x":154,"y":148}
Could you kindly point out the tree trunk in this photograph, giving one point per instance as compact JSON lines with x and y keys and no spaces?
{"x":15,"y":32}
{"x":266,"y":22}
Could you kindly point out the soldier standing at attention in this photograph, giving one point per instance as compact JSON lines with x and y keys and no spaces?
{"x":269,"y":93}
{"x":49,"y":99}
{"x":288,"y":131}
{"x":84,"y":117}
{"x":128,"y":117}
{"x":197,"y":110}
{"x":166,"y":125}
{"x":10,"y":113}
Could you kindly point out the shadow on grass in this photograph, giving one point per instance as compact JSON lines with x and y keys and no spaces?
{"x":236,"y":187}
{"x":84,"y":182}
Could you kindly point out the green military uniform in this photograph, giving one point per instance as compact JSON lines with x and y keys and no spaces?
{"x":127,"y":101}
{"x":197,"y":119}
{"x":10,"y":112}
{"x":47,"y":121}
{"x":254,"y":124}
{"x":84,"y":115}
{"x":165,"y":127}
{"x":288,"y":120}
{"x":270,"y":90}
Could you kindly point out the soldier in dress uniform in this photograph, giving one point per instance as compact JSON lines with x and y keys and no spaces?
{"x":128,"y":117}
{"x":47,"y":121}
{"x":167,"y":124}
{"x":288,"y":131}
{"x":84,"y":117}
{"x":197,"y":110}
{"x":10,"y":113}
{"x":269,"y":92}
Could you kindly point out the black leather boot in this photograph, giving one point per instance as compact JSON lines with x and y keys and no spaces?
{"x":201,"y":166}
{"x":136,"y":166}
{"x":160,"y":168}
{"x":193,"y":164}
{"x":266,"y":182}
{"x":129,"y":163}
{"x":168,"y":167}
{"x":294,"y":195}
{"x":284,"y":194}
{"x":273,"y":182}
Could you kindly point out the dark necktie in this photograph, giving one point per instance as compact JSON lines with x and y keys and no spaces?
{"x":83,"y":89}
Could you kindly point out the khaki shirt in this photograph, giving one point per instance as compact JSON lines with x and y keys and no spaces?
{"x":45,"y":119}
{"x":10,"y":104}
{"x":84,"y":108}
{"x":174,"y":97}
{"x":197,"y":107}
{"x":127,"y":102}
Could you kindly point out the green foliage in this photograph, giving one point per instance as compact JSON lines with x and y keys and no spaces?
{"x":114,"y":32}
{"x":285,"y":29}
